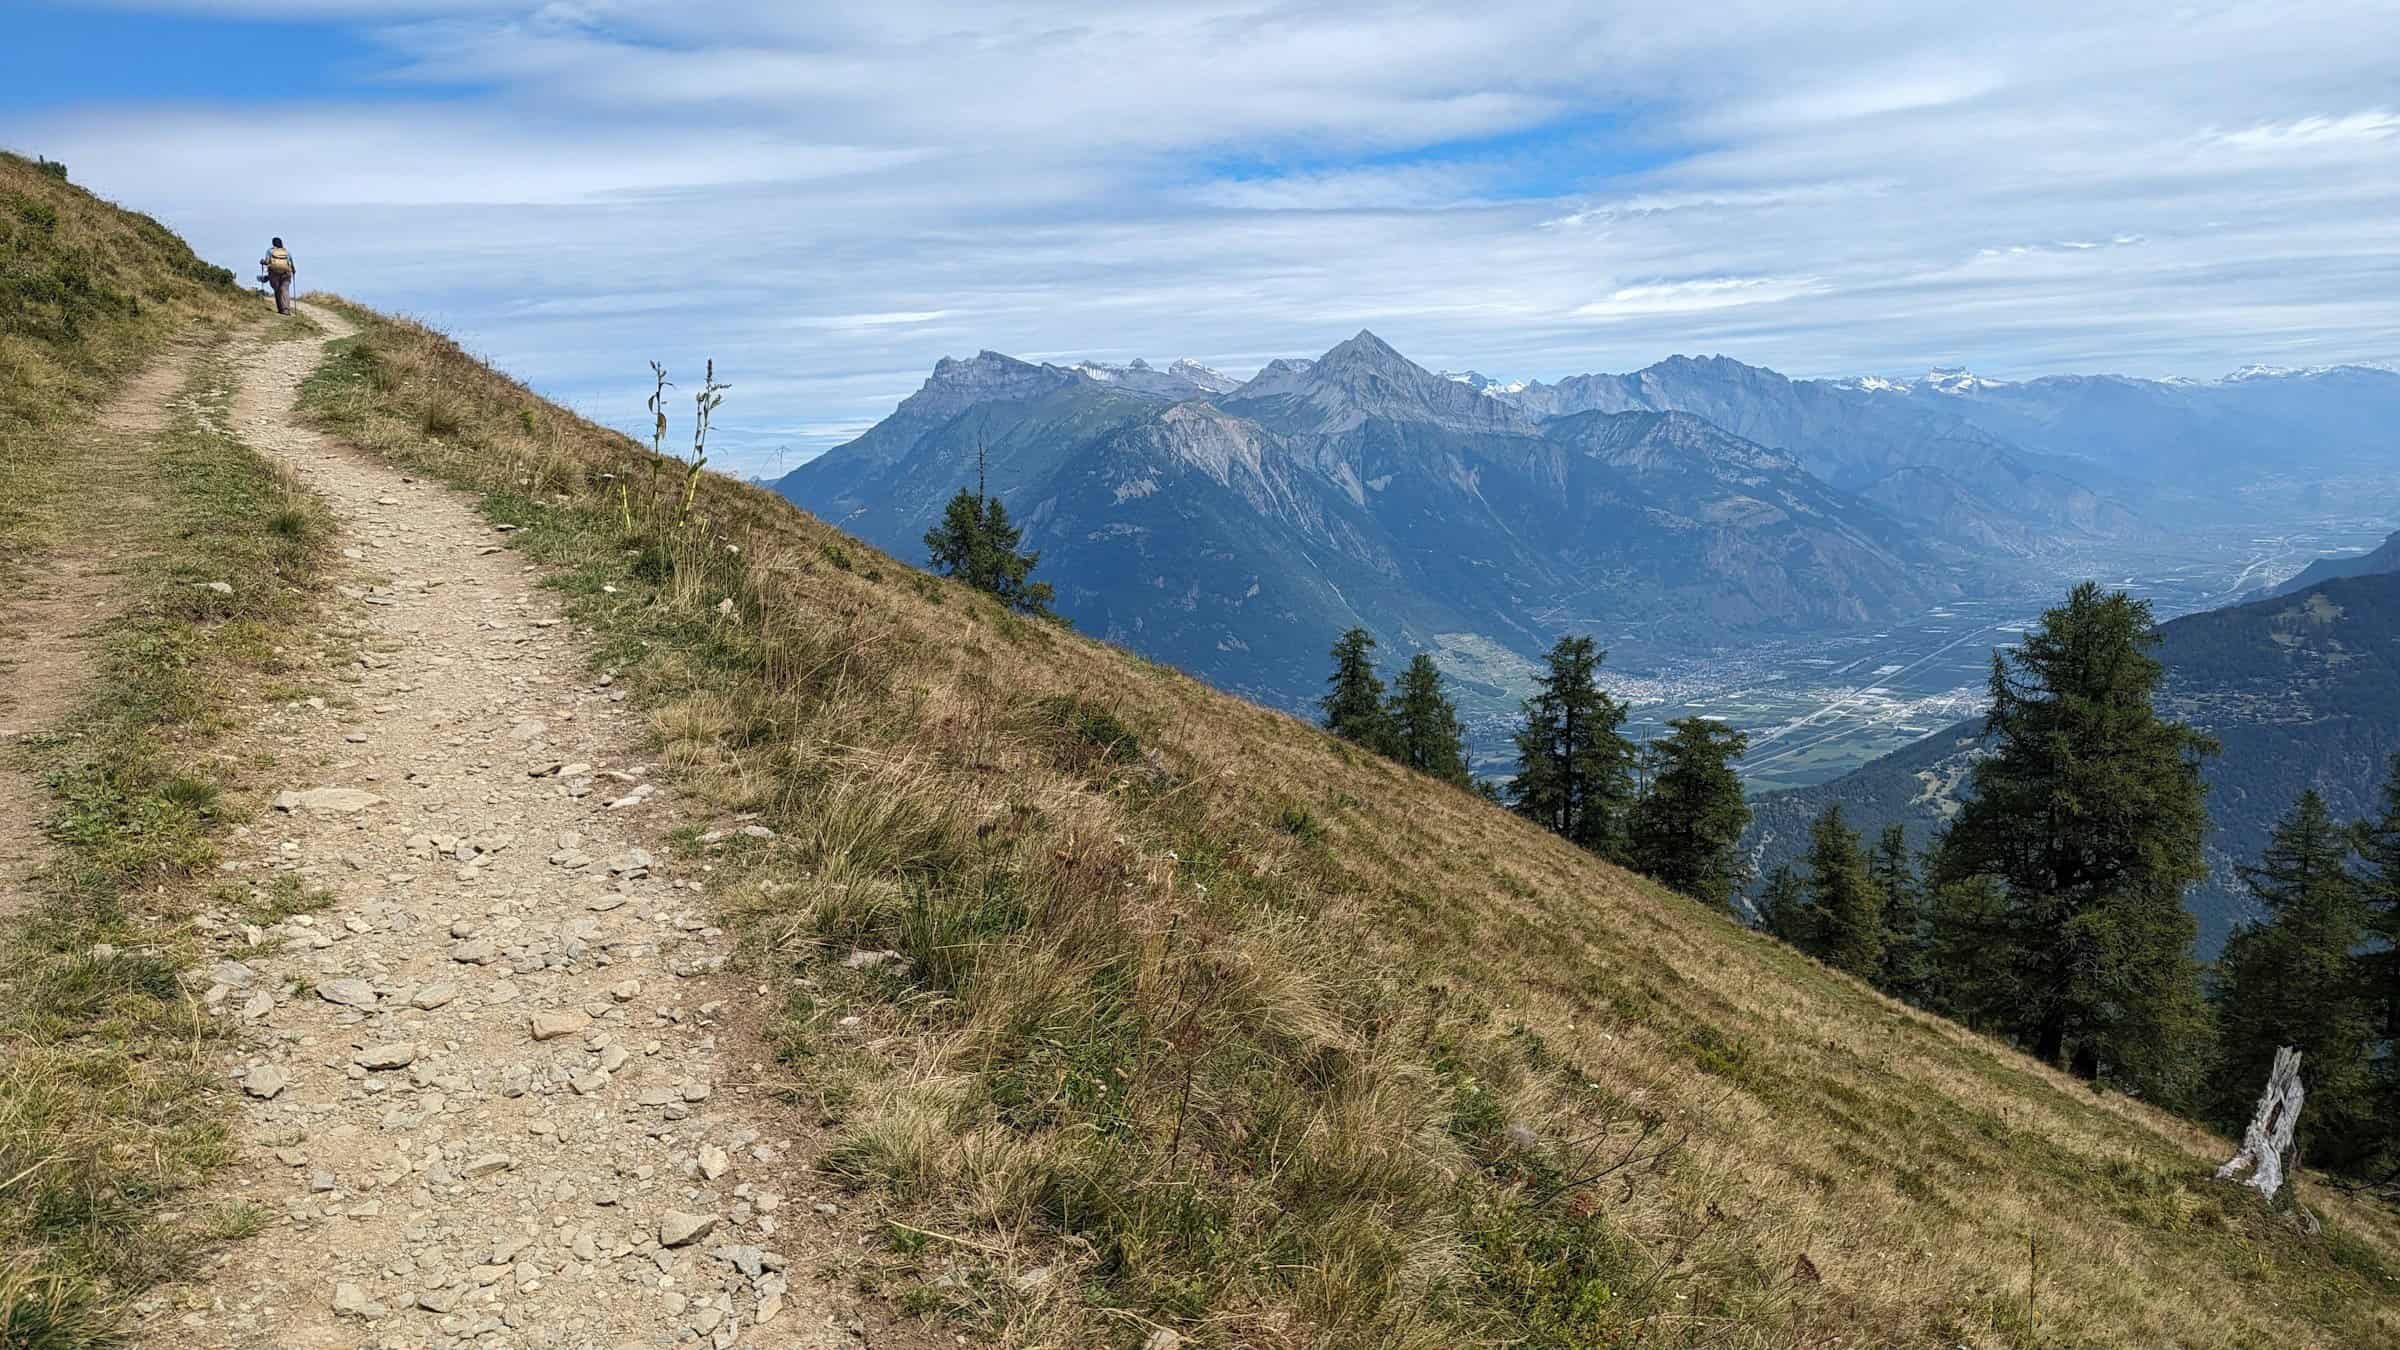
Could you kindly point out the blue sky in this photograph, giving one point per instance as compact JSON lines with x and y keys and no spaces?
{"x":827,"y":198}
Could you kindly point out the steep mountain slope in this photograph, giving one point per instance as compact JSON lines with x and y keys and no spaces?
{"x":1131,"y":1005}
{"x":1233,"y":535}
{"x":2383,"y":558}
{"x":2302,"y":690}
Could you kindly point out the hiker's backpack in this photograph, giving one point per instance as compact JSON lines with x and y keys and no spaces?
{"x":279,"y":262}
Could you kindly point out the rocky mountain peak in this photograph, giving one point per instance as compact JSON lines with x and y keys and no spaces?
{"x":1179,"y":381}
{"x":1364,"y":350}
{"x":1364,"y":378}
{"x":987,"y":376}
{"x":1208,"y":378}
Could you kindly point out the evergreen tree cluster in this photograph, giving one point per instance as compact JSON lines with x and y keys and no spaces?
{"x":2050,"y":911}
{"x":977,"y":543}
{"x":1416,"y":724}
{"x":2317,"y":971}
{"x":1672,"y":810}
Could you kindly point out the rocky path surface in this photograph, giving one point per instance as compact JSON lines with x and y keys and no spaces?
{"x":488,"y":1096}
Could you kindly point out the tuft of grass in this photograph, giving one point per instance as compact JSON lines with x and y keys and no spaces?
{"x":1094,"y":970}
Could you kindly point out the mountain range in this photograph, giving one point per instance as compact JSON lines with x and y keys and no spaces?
{"x":2190,"y":449}
{"x":2301,"y":690}
{"x":1231,"y":527}
{"x":1234,"y":531}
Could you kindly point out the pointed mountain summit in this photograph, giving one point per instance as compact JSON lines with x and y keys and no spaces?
{"x":1365,"y":379}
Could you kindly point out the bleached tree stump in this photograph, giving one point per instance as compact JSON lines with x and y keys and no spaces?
{"x":2267,"y":1144}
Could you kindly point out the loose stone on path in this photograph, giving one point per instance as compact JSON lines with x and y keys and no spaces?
{"x":497,"y":1122}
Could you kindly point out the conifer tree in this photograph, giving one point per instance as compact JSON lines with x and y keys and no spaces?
{"x":1783,"y":908}
{"x":1686,"y":831}
{"x":2088,"y":816}
{"x":2292,"y":980}
{"x":2379,"y":967}
{"x":1968,"y":920}
{"x":1353,"y":706}
{"x":1845,"y":928}
{"x":1574,"y":768}
{"x":1426,"y":735}
{"x":1905,"y":972}
{"x":977,"y":544}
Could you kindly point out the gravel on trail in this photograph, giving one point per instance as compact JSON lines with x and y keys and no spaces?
{"x":487,"y":1097}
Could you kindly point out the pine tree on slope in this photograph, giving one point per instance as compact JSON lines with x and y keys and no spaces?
{"x":1847,"y":907}
{"x":1686,"y":831}
{"x":1426,"y":735}
{"x":2088,"y":816}
{"x":1905,"y":972}
{"x":1353,"y":706}
{"x":1574,"y":768}
{"x":2292,"y":980}
{"x":1783,"y":908}
{"x":976,"y":543}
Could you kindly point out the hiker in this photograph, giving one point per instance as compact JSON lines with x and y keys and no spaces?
{"x":280,"y":270}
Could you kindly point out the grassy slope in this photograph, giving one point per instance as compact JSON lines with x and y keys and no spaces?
{"x":1206,"y":1022}
{"x":109,"y":1114}
{"x":88,"y":293}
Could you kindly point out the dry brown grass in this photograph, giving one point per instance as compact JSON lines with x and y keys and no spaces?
{"x":1208,"y":1022}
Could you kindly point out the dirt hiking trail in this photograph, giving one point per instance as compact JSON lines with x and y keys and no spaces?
{"x":48,"y":623}
{"x":487,"y":1096}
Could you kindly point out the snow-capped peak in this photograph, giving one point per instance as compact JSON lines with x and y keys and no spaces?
{"x":2263,"y":372}
{"x":1209,"y":378}
{"x":1952,"y":380}
{"x":1876,"y":384}
{"x":1483,"y":384}
{"x":1181,"y":379}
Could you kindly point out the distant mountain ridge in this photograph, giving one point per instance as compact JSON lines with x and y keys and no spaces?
{"x":1923,"y":463}
{"x":1229,"y":526}
{"x":2191,"y":448}
{"x":2385,"y":557}
{"x":1234,"y":532}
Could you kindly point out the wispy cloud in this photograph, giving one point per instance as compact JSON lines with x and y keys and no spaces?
{"x":1695,"y":296}
{"x":2372,"y":128}
{"x":827,"y":198}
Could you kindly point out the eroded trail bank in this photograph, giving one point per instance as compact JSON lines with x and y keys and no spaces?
{"x":485,"y":1093}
